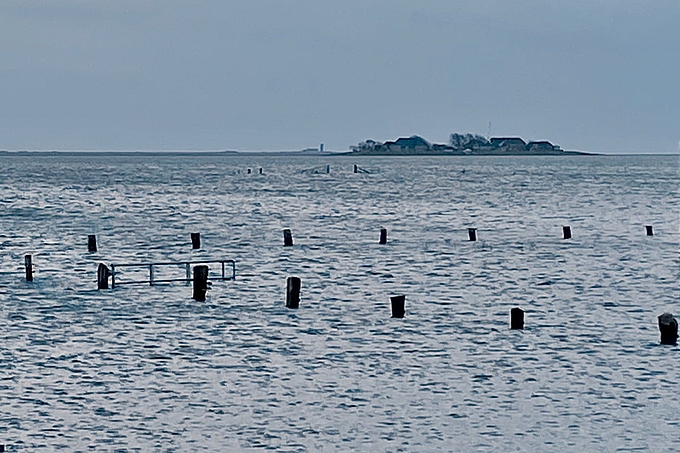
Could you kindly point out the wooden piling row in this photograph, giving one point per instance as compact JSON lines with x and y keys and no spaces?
{"x":668,"y":327}
{"x":91,"y":243}
{"x":293,"y":285}
{"x":398,"y":303}
{"x":566,"y":232}
{"x":195,"y":241}
{"x":200,"y":282}
{"x":287,"y":238}
{"x":28,"y":264}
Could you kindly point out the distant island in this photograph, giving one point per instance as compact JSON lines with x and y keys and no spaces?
{"x":460,"y":145}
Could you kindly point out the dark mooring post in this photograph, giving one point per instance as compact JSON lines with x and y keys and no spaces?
{"x":650,"y":230}
{"x":668,"y":326}
{"x":398,"y":302}
{"x":195,"y":240}
{"x":28,"y":263}
{"x":200,"y":282}
{"x":2,"y":448}
{"x":383,"y":236}
{"x":356,"y":169}
{"x":472,"y":234}
{"x":103,"y":274}
{"x":287,"y":238}
{"x":260,"y":170}
{"x":293,"y":292}
{"x":517,"y":318}
{"x":91,"y":243}
{"x":566,"y":232}
{"x":249,"y":171}
{"x":328,"y":168}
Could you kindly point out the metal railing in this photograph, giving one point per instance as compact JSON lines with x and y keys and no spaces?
{"x":186,"y":264}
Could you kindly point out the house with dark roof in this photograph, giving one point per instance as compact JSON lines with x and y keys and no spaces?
{"x":507,"y":142}
{"x":412,"y":144}
{"x":540,"y":147}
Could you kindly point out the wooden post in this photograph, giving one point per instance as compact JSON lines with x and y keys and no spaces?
{"x":383,"y":236}
{"x":566,"y":230}
{"x":517,"y":318}
{"x":28,"y":262}
{"x":287,"y":238}
{"x":195,"y":241}
{"x":356,"y":169}
{"x":650,"y":230}
{"x":103,"y":276}
{"x":91,"y":243}
{"x":200,"y":282}
{"x":668,"y":326}
{"x":293,"y":292}
{"x":398,"y":306}
{"x":472,"y":234}
{"x":328,"y":168}
{"x":260,"y":170}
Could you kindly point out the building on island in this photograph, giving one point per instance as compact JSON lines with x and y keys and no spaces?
{"x":410,"y":145}
{"x":459,"y":144}
{"x":541,"y":147}
{"x":509,"y":143}
{"x":413,"y":144}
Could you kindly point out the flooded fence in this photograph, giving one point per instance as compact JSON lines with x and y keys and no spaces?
{"x":228,"y":272}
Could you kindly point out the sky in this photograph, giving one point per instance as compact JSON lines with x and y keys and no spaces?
{"x":592,"y":75}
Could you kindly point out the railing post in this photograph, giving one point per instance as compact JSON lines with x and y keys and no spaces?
{"x":188,"y":270}
{"x":222,"y":270}
{"x":151,"y":274}
{"x":113,"y":276}
{"x":103,"y":276}
{"x":233,"y":270}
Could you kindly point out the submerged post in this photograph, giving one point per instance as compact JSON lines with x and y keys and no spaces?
{"x":356,"y":169}
{"x":668,"y":326}
{"x":293,"y":292}
{"x":650,"y":230}
{"x":200,"y":282}
{"x":28,"y":263}
{"x":287,"y":238}
{"x":517,"y":318}
{"x":103,"y":276}
{"x":472,"y":234}
{"x":260,"y":170}
{"x":383,"y":236}
{"x":398,"y":303}
{"x":195,"y":240}
{"x":91,"y":243}
{"x":566,"y":231}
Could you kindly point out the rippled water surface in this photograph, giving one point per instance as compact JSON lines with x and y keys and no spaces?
{"x":142,"y":368}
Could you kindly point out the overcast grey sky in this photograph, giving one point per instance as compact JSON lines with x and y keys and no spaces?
{"x":599,"y":75}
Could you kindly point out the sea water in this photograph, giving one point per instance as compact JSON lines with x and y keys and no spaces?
{"x":146,"y":368}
